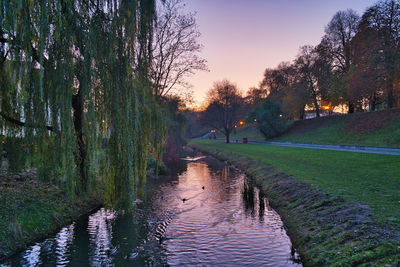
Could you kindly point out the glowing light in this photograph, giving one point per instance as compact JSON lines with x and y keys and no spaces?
{"x":255,"y":120}
{"x":325,"y":107}
{"x":241,"y":122}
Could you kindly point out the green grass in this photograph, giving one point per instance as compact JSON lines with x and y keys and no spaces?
{"x":336,"y":134}
{"x":31,"y":210}
{"x":251,"y":132}
{"x":337,"y":131}
{"x":330,"y":229}
{"x":357,"y":177}
{"x":380,"y":129}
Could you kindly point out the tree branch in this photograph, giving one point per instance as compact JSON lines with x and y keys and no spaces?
{"x":22,"y":124}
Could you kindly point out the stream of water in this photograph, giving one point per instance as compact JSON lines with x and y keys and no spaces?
{"x":207,"y":215}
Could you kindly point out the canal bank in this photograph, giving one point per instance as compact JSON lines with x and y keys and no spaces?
{"x":326,"y":230}
{"x":207,"y":213}
{"x":31,"y":210}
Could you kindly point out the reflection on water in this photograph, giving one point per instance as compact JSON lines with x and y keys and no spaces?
{"x":63,"y":242}
{"x":100,"y":233}
{"x":32,"y":255}
{"x":209,"y":215}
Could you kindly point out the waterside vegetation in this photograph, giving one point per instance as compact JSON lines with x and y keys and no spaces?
{"x":340,"y":208}
{"x":32,"y":209}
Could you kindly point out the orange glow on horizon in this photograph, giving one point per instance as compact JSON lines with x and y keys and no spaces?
{"x":245,"y":49}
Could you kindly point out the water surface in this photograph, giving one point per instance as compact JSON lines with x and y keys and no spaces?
{"x":208,"y":215}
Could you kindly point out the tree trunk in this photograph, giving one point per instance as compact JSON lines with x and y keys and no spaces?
{"x":372,"y":102}
{"x":315,"y":100}
{"x":301,"y":117}
{"x":80,"y":156}
{"x":316,"y":105}
{"x":390,"y":99}
{"x":227,"y":137}
{"x":351,"y":107}
{"x":317,"y":108}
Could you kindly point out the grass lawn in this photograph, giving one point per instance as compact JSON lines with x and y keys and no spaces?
{"x":336,"y":134}
{"x":250,"y":132}
{"x":370,"y":179}
{"x":381,"y":128}
{"x":31,"y":210}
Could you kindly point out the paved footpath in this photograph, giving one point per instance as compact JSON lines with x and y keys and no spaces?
{"x":362,"y":149}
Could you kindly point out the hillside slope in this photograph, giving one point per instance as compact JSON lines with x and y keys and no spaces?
{"x":249,"y":132}
{"x":380,"y":129}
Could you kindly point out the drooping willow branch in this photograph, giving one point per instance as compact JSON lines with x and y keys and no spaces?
{"x":23,"y":124}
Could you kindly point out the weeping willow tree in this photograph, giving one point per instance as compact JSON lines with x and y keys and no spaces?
{"x":74,"y":81}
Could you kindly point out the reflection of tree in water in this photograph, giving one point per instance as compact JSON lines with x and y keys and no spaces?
{"x":177,"y":168}
{"x":220,"y":180}
{"x":253,"y":198}
{"x":63,"y":241}
{"x":261,"y":201}
{"x":248,"y":197}
{"x":100,"y":234}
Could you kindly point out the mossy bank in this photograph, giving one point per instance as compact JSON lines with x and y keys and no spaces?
{"x":326,"y":230}
{"x":31,"y":210}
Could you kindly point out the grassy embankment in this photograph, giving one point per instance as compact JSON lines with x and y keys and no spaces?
{"x":31,"y":210}
{"x":250,"y":132}
{"x":380,"y":129}
{"x":369,"y":181}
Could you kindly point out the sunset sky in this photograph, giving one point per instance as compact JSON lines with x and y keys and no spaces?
{"x":242,"y":38}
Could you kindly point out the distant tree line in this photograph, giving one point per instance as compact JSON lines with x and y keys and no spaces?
{"x":356,"y":64}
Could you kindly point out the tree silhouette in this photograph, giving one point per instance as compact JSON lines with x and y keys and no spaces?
{"x":175,"y":48}
{"x":338,"y":35}
{"x":224,"y":110}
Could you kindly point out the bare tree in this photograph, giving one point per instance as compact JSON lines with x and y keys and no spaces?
{"x":286,"y":85}
{"x":305,"y":64}
{"x":175,"y":48}
{"x":384,"y":19}
{"x":255,"y":96}
{"x":276,"y":79}
{"x":367,"y":77}
{"x":224,"y":109}
{"x":338,"y":35}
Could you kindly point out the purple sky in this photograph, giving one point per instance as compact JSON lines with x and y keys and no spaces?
{"x":242,"y":38}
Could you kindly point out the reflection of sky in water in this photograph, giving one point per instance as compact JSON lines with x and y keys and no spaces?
{"x":228,"y":222}
{"x":63,"y":242}
{"x":32,"y":256}
{"x":42,"y":253}
{"x":100,"y":232}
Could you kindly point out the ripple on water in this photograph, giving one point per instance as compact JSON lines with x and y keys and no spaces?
{"x":226,"y":223}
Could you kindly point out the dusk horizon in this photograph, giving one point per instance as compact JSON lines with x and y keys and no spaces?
{"x":242,"y":38}
{"x":200,"y":133}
